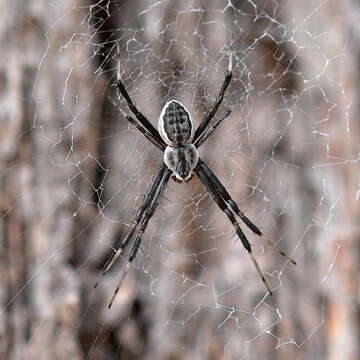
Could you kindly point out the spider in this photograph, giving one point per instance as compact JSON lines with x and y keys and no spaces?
{"x":177,"y":138}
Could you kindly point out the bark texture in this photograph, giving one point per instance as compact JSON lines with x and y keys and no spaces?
{"x":73,"y":172}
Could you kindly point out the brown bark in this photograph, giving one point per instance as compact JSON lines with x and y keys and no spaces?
{"x":73,"y":172}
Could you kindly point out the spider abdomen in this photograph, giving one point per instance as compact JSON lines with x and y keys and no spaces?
{"x":181,"y":160}
{"x":176,"y":126}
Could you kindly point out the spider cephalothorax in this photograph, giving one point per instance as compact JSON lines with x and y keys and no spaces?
{"x":182,"y":160}
{"x":179,"y":142}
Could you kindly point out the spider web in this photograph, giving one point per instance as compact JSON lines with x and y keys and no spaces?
{"x":192,"y":281}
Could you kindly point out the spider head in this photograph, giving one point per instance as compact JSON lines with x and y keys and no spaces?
{"x":182,"y":160}
{"x":176,"y":126}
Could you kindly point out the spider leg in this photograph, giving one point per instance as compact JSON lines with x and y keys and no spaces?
{"x":143,"y":120}
{"x":147,"y":134}
{"x":211,"y":129}
{"x":212,"y":190}
{"x":226,"y":196}
{"x":210,"y":114}
{"x":141,"y":117}
{"x":149,"y":196}
{"x":144,"y":223}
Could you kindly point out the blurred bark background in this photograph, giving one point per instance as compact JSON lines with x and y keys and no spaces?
{"x":73,"y":170}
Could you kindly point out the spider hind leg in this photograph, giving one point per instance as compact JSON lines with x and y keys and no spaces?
{"x":147,"y":128}
{"x":211,"y":113}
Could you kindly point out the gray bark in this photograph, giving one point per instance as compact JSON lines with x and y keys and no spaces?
{"x":73,"y":172}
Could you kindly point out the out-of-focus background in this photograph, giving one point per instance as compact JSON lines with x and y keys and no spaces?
{"x":73,"y":172}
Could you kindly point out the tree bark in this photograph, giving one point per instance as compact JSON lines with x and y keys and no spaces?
{"x":73,"y":172}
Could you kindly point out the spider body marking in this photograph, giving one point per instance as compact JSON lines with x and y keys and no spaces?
{"x":179,"y":141}
{"x":181,"y":160}
{"x":176,"y":127}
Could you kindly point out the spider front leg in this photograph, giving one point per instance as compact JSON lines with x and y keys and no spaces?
{"x":227,"y":198}
{"x":149,"y":196}
{"x":215,"y":194}
{"x":144,"y":223}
